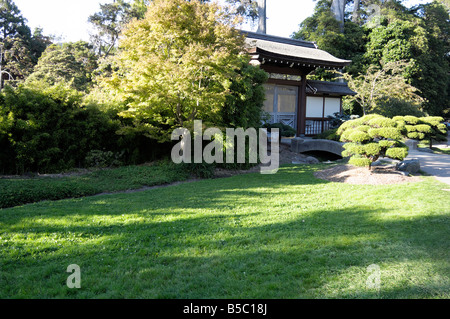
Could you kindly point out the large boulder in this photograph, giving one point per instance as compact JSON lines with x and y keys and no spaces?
{"x":409,"y":166}
{"x":312,"y":160}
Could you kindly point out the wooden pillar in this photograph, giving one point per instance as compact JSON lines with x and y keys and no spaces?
{"x":323,"y":115}
{"x":301,"y":108}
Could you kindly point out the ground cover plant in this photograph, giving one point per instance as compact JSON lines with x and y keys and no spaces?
{"x":288,"y":235}
{"x":22,"y":190}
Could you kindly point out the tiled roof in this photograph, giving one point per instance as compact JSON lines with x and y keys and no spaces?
{"x":284,"y":50}
{"x":332,"y":88}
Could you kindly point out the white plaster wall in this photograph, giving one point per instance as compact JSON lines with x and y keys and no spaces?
{"x":332,"y":105}
{"x":314,"y":106}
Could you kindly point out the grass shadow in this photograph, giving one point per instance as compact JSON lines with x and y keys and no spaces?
{"x":253,"y":236}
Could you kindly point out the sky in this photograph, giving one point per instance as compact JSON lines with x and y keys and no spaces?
{"x":67,"y":19}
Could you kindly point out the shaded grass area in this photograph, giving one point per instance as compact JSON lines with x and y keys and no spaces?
{"x":287,"y":235}
{"x":19,"y":191}
{"x":440,"y":150}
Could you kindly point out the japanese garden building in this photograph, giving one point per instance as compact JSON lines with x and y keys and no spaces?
{"x":290,"y":98}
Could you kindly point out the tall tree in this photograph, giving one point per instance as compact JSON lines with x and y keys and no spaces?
{"x":12,"y":23}
{"x":356,"y":14}
{"x":433,"y":76}
{"x":420,"y":36}
{"x":14,"y":37}
{"x":176,"y":65}
{"x":39,"y":42}
{"x":323,"y":28}
{"x":378,"y":84}
{"x":245,"y":8}
{"x":338,"y":9}
{"x":69,"y":62}
{"x":110,"y":21}
{"x":19,"y":48}
{"x":113,"y":17}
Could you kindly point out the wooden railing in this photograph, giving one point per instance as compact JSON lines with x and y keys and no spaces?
{"x":316,"y":126}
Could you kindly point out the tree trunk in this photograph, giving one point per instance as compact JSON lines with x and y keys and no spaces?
{"x":262,"y":14}
{"x":355,"y":16}
{"x":338,"y":8}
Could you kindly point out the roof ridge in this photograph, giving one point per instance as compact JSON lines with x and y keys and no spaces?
{"x":274,"y":38}
{"x":328,"y":82}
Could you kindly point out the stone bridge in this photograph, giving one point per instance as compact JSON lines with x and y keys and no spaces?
{"x":301,"y":145}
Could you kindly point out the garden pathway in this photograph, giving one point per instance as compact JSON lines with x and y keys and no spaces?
{"x":437,"y":165}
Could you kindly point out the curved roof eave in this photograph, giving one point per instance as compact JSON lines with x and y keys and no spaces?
{"x":291,"y":50}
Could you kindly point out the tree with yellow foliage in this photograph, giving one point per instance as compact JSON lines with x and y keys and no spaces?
{"x":177,"y":65}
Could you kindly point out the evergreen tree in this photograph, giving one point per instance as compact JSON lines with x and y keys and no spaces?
{"x":69,"y":62}
{"x":393,"y":33}
{"x":110,"y":21}
{"x":323,"y":28}
{"x":19,"y":48}
{"x":12,"y":23}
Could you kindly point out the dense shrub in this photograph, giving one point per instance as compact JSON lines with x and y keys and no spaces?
{"x":371,"y":137}
{"x":200,"y":170}
{"x":390,"y":107}
{"x":45,"y":129}
{"x":328,"y":135}
{"x":284,"y":130}
{"x":101,"y":159}
{"x":423,"y":128}
{"x":338,"y":118}
{"x":244,"y":105}
{"x":207,"y":170}
{"x":50,"y":128}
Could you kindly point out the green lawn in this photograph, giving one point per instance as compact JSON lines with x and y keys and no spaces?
{"x":287,"y":235}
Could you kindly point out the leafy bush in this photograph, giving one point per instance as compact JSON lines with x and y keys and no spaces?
{"x":101,"y":159}
{"x":358,"y":136}
{"x":338,"y":118}
{"x":45,"y":129}
{"x":200,"y":170}
{"x":393,"y":133}
{"x":360,"y":161}
{"x":397,"y":152}
{"x":206,"y":170}
{"x":328,"y":135}
{"x":382,"y":122}
{"x":391,"y":107}
{"x":423,"y":128}
{"x":285,"y":130}
{"x":371,"y":137}
{"x":361,"y":134}
{"x":244,"y":105}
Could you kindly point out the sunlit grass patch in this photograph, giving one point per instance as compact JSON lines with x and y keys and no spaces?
{"x":287,"y":235}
